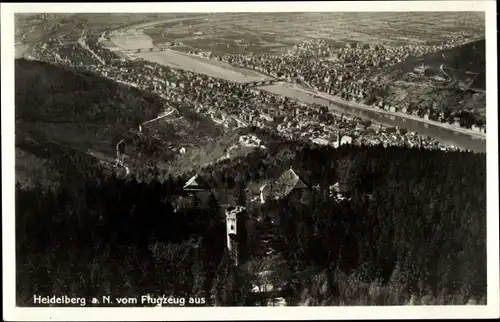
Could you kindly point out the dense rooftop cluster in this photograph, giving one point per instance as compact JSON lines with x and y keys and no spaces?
{"x":351,"y":72}
{"x":235,"y":105}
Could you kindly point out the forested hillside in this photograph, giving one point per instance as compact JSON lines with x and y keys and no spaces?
{"x":415,"y":225}
{"x":54,"y":94}
{"x":79,"y":111}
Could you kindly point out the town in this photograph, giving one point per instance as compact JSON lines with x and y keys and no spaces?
{"x":250,"y":158}
{"x":350,"y":72}
{"x":235,"y":105}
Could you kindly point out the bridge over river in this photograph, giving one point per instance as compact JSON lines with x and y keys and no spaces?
{"x":263,"y":83}
{"x":145,"y":50}
{"x":461,"y":138}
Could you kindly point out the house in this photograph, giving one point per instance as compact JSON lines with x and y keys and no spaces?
{"x":255,"y":91}
{"x":346,"y":140}
{"x":287,"y":183}
{"x":195,"y":184}
{"x":320,"y":141}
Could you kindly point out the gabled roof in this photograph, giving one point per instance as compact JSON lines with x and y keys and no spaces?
{"x":288,"y":182}
{"x":195,"y":184}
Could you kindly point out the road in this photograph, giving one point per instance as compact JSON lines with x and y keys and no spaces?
{"x":445,"y":133}
{"x":351,"y":106}
{"x":44,"y":37}
{"x":165,"y":114}
{"x":432,"y":129}
{"x":400,"y":115}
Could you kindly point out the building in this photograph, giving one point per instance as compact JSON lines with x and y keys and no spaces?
{"x":289,"y":183}
{"x":234,"y":240}
{"x":346,"y":140}
{"x":320,"y":141}
{"x":199,"y":194}
{"x":195,"y":184}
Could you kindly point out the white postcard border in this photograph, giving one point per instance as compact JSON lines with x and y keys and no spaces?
{"x":247,"y":313}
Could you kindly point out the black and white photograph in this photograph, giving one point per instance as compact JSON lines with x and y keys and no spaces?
{"x":253,"y":156}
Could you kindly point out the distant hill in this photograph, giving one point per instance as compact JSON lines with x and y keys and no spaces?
{"x":463,"y":63}
{"x":51,"y":93}
{"x":83,"y":112}
{"x":87,"y":114}
{"x":452,"y":81}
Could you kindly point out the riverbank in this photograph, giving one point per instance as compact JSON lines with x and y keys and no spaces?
{"x":445,"y":133}
{"x":446,"y":126}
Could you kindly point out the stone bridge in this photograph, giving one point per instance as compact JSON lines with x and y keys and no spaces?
{"x":145,"y":50}
{"x":262,"y":83}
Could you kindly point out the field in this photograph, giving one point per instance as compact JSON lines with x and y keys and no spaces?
{"x":20,"y":49}
{"x":271,"y":32}
{"x":258,"y":32}
{"x":30,"y":28}
{"x":275,"y":32}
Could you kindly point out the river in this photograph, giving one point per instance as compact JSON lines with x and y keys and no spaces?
{"x":445,"y":135}
{"x":451,"y":136}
